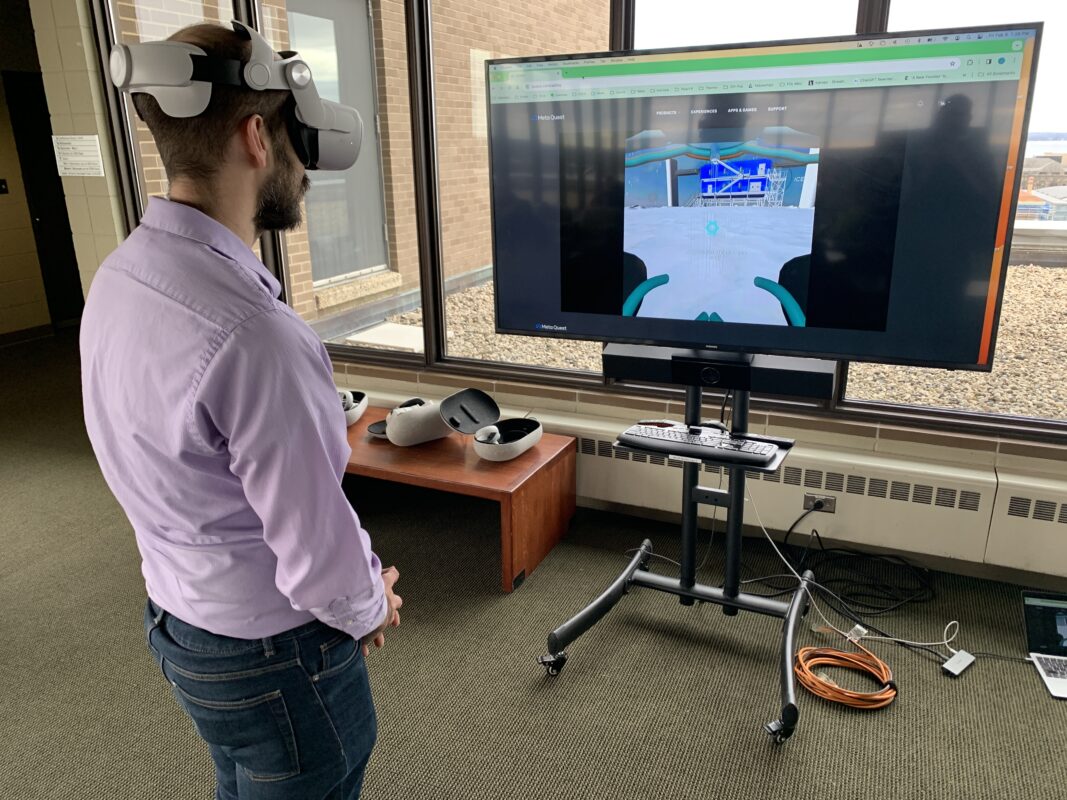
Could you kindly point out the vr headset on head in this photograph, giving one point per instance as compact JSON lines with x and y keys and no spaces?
{"x":325,"y":135}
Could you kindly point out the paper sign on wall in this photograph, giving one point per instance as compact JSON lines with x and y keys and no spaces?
{"x":78,"y":156}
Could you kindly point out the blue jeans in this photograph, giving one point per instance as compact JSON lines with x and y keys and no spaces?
{"x":287,"y":717}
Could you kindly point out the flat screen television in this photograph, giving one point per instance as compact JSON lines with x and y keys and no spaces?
{"x":845,"y":198}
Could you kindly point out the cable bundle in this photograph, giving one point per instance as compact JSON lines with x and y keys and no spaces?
{"x":808,"y":658}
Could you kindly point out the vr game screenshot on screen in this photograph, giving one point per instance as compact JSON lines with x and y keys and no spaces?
{"x":716,"y":225}
{"x":807,"y":198}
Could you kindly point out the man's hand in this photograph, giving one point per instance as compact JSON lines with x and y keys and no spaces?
{"x":390,"y":575}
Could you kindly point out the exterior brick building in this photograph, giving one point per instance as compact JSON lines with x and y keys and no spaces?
{"x":465,"y":35}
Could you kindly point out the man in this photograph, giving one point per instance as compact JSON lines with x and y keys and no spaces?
{"x":212,"y":411}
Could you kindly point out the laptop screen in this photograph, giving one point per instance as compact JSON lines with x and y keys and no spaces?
{"x":1046,"y":623}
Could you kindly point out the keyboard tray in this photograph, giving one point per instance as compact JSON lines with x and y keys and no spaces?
{"x":772,"y":466}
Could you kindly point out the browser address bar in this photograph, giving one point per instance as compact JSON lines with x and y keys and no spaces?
{"x":756,"y":73}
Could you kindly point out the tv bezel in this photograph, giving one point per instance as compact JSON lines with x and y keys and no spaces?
{"x":1037,"y":27}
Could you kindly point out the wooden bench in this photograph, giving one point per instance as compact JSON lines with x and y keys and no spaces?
{"x":535,"y":491}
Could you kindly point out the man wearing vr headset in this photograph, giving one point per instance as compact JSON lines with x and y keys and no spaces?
{"x":212,"y":410}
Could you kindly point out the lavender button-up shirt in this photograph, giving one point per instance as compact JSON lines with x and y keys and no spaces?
{"x":212,"y":410}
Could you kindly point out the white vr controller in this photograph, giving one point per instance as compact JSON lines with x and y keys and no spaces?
{"x":354,"y":404}
{"x":507,"y":439}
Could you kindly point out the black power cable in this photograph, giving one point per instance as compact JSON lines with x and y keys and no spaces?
{"x":842,"y":569}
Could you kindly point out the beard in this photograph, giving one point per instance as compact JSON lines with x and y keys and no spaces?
{"x":278,"y":205}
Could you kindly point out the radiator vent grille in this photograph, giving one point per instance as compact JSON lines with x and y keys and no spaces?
{"x":1044,"y":510}
{"x":900,"y":491}
{"x":1025,"y":507}
{"x":1019,"y":507}
{"x":1041,"y":510}
{"x":946,"y":498}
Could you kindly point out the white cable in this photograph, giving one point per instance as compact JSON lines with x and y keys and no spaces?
{"x":950,"y":638}
{"x":945,"y":642}
{"x":789,"y":566}
{"x":942,"y":643}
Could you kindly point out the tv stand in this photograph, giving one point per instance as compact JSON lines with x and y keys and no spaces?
{"x":737,"y":373}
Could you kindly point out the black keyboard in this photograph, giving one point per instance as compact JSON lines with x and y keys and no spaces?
{"x":697,"y":442}
{"x":1054,"y":667}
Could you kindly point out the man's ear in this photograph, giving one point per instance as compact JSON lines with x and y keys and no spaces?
{"x":253,"y":140}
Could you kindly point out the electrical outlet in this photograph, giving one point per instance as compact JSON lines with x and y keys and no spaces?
{"x":829,"y":504}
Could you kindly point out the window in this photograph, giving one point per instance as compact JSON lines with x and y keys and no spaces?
{"x":691,"y":23}
{"x":1027,"y":377}
{"x":352,"y":269}
{"x":146,"y":21}
{"x":465,"y":35}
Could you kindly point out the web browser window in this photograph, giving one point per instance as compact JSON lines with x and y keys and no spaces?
{"x":788,"y":186}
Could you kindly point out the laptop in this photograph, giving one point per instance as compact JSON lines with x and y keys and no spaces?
{"x":1046,"y":638}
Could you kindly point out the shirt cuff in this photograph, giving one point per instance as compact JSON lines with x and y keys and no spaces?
{"x":346,"y":615}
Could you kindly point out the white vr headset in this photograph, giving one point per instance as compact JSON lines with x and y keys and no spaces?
{"x":325,"y":134}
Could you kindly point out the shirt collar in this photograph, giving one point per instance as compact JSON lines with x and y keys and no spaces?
{"x":188,"y":222}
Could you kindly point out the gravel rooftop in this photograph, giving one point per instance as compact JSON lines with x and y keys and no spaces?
{"x":1029,"y":376}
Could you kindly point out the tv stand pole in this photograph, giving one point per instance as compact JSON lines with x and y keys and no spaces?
{"x":729,"y":596}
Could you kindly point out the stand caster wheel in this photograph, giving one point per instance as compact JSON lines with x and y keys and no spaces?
{"x":778,"y":731}
{"x":553,"y":664}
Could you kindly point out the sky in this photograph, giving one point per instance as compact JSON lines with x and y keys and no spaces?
{"x":690,"y":23}
{"x":315,"y":40}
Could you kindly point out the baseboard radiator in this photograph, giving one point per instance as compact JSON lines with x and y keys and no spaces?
{"x":980,"y":513}
{"x":967,"y":513}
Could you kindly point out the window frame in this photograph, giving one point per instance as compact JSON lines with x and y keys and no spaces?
{"x":872,"y":16}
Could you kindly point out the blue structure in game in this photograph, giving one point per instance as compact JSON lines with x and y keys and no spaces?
{"x":748,"y":177}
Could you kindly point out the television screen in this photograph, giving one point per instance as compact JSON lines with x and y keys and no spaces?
{"x":839,"y":198}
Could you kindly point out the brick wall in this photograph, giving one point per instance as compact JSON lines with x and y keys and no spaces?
{"x":465,"y":34}
{"x":275,"y":29}
{"x":391,"y":66}
{"x":489,"y":29}
{"x":390,"y":54}
{"x":149,"y":20}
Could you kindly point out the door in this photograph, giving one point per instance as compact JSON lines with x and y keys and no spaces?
{"x":44,"y":195}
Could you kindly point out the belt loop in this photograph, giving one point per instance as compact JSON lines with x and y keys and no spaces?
{"x":158,"y":616}
{"x":268,"y":646}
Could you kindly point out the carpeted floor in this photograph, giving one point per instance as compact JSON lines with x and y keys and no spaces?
{"x":657,"y":701}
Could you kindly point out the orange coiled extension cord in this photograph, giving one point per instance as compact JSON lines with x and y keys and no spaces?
{"x":808,"y":658}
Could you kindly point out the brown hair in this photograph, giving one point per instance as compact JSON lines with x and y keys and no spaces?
{"x":194,"y":147}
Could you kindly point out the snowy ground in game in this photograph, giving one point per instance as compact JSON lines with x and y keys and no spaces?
{"x":712,"y":255}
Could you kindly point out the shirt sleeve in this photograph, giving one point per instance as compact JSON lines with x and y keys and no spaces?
{"x":268,"y":397}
